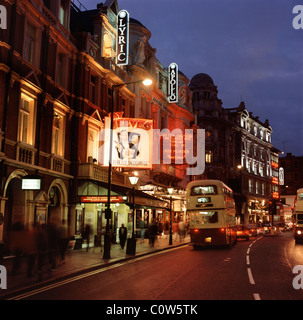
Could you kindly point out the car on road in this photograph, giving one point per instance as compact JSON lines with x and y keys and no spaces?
{"x":252,"y":230}
{"x":267,"y":227}
{"x":242,"y":232}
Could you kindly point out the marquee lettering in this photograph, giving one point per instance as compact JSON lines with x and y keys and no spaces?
{"x":123,"y":38}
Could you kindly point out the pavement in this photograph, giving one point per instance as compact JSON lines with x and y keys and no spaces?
{"x":77,"y":262}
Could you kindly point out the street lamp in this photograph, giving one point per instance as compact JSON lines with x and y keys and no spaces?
{"x":108,"y":212}
{"x":170,"y":191}
{"x":131,"y":243}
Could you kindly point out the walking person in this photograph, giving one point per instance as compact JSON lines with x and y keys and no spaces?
{"x":63,"y":240}
{"x":86,"y":235}
{"x":122,"y":235}
{"x":142,"y":230}
{"x":175,"y":229}
{"x":181,"y":226}
{"x":153,"y":231}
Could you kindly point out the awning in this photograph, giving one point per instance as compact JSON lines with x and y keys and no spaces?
{"x":142,"y":199}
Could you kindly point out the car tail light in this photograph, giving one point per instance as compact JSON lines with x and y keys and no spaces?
{"x":196,"y":230}
{"x":222,"y":229}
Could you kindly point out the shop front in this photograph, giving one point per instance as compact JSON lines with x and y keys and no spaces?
{"x":90,"y":211}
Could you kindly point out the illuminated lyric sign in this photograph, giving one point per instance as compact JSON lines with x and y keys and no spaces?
{"x":173,"y":83}
{"x":122,"y":38}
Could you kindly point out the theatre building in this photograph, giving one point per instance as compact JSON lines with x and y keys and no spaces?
{"x":58,"y":78}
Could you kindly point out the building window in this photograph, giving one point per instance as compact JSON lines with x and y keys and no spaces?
{"x":92,"y":89}
{"x":107,"y":46}
{"x":92,"y":143}
{"x":257,"y":187}
{"x":26,"y":119}
{"x":60,"y":73}
{"x":63,"y":13}
{"x":208,"y":156}
{"x":250,"y":185}
{"x":30,"y":43}
{"x":58,"y":134}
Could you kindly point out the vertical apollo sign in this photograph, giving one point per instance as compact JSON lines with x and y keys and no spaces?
{"x":122,"y":38}
{"x":173,"y":83}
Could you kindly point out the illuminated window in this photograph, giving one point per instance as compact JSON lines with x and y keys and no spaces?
{"x":107,"y":46}
{"x":63,"y":13}
{"x":250,"y":185}
{"x":92,"y":143}
{"x":208,"y":156}
{"x":26,"y":119}
{"x":58,"y":134}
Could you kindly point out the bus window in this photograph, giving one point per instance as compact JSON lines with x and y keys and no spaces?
{"x":300,"y":218}
{"x":205,"y":217}
{"x":300,"y":196}
{"x":203,"y":190}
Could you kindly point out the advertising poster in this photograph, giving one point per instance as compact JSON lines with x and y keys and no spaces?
{"x":132,"y":143}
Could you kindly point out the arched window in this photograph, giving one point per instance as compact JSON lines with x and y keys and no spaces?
{"x":107,"y":46}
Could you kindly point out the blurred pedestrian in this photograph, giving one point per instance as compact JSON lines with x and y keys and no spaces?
{"x":63,"y":240}
{"x":16,"y":245}
{"x":41,"y":249}
{"x":122,"y":235}
{"x":175,"y":229}
{"x":86,"y":235}
{"x":166,"y":229}
{"x":52,"y":244}
{"x":30,"y":249}
{"x":181,"y":226}
{"x":142,"y":230}
{"x":153,"y":231}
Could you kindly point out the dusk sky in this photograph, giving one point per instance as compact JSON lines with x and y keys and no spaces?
{"x":249,"y":48}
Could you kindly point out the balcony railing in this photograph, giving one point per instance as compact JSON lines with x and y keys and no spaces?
{"x":99,"y":173}
{"x":25,"y":154}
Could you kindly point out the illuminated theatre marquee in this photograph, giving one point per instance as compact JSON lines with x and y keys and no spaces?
{"x":173,"y":83}
{"x":122,"y":38}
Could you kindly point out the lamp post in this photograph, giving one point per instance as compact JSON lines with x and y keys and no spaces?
{"x":170,"y":191}
{"x":131,"y":243}
{"x":108,"y":212}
